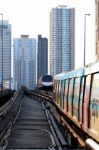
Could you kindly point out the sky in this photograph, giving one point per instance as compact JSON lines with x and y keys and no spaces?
{"x":32,"y":17}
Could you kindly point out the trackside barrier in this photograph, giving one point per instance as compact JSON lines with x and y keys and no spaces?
{"x":8,"y":113}
{"x":6,"y":107}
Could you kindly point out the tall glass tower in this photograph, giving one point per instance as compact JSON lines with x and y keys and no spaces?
{"x":5,"y":54}
{"x":62,"y":39}
{"x":42,"y":57}
{"x":25,"y":62}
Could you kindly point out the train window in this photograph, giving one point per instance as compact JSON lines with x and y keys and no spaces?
{"x":62,"y":93}
{"x":76,"y":97}
{"x":81,"y":98}
{"x":48,"y":78}
{"x":63,"y":89}
{"x":94,"y":103}
{"x":54,"y":85}
{"x":59,"y":91}
{"x":65,"y":94}
{"x":55,"y":89}
{"x":70,"y":96}
{"x":86,"y":102}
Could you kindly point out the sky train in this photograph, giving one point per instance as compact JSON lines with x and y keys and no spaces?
{"x":45,"y":82}
{"x":77,"y":94}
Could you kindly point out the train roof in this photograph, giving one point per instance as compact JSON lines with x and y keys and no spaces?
{"x":88,"y":69}
{"x":70,"y":74}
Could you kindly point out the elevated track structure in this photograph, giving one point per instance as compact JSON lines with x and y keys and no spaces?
{"x":31,"y":120}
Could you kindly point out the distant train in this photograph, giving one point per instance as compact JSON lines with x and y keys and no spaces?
{"x":45,"y":82}
{"x":77,"y":95}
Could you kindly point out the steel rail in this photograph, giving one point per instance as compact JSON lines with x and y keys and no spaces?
{"x":8,"y":116}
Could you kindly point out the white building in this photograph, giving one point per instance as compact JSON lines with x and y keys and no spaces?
{"x":62,"y":39}
{"x":25,"y":62}
{"x":5,"y":51}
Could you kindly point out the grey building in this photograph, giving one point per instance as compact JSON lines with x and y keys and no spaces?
{"x":62,"y":39}
{"x":5,"y":54}
{"x":25,"y":62}
{"x":42,"y":56}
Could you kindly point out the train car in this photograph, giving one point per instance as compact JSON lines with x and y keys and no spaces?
{"x":77,"y":95}
{"x":45,"y":82}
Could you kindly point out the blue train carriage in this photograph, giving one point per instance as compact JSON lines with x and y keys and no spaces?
{"x":91,"y":101}
{"x":69,"y":93}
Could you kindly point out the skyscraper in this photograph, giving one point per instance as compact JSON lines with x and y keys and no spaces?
{"x":42,"y":57}
{"x":25,"y":62}
{"x":62,"y":39}
{"x":5,"y":53}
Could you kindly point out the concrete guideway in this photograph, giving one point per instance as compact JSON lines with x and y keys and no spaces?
{"x":31,"y":129}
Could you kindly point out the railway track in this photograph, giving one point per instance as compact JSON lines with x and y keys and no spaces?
{"x":33,"y":128}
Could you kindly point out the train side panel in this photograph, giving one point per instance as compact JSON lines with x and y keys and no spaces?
{"x":94,"y":108}
{"x":77,"y":95}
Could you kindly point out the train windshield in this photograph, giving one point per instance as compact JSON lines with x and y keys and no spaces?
{"x":47,"y":78}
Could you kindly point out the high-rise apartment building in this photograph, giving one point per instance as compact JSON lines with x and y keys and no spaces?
{"x":5,"y":54}
{"x":62,"y":39}
{"x":42,"y":56}
{"x":25,"y":62}
{"x":97,"y":28}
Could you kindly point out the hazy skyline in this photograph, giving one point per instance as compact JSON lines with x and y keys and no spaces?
{"x":32,"y":17}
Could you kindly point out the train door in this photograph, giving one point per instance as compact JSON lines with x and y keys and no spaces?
{"x":94,"y":107}
{"x":70,"y":96}
{"x":81,"y":99}
{"x":62,"y":94}
{"x":55,"y":90}
{"x":86,"y":103}
{"x":59,"y":91}
{"x":76,"y":98}
{"x":65,"y":95}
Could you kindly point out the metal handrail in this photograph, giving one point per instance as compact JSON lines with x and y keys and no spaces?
{"x":6,"y":107}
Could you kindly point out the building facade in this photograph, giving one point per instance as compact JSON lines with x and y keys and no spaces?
{"x":62,"y":39}
{"x":5,"y":54}
{"x":97,"y":28}
{"x":25,"y":62}
{"x":42,"y":56}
